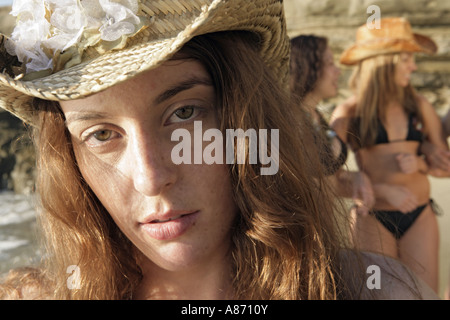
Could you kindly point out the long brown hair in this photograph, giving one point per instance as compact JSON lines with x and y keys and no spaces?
{"x":286,"y":241}
{"x":373,"y":81}
{"x":306,"y":63}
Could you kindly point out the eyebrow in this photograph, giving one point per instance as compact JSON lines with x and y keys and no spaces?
{"x":173,"y":91}
{"x":85,"y":116}
{"x":182,"y":86}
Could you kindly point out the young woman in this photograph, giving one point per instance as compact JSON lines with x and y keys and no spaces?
{"x":385,"y":123}
{"x":129,"y":222}
{"x":313,"y":78}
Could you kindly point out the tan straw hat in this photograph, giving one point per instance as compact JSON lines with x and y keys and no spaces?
{"x":394,"y":35}
{"x":107,"y":42}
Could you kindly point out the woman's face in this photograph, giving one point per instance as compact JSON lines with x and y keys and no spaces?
{"x":406,"y":65}
{"x":176,"y":215}
{"x":328,"y":83}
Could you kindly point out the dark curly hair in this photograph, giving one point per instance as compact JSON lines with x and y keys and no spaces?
{"x":306,"y":63}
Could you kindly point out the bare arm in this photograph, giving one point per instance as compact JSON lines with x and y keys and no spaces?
{"x":435,"y":148}
{"x":341,"y":116}
{"x":351,"y":184}
{"x":438,"y":159}
{"x":410,"y":163}
{"x":357,"y":186}
{"x":398,"y":196}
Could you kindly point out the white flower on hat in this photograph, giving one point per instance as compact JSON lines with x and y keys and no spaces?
{"x":120,"y":19}
{"x":31,"y":28}
{"x":46,"y":29}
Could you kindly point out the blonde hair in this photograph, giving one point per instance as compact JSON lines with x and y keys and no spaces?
{"x":286,"y":240}
{"x":373,"y":81}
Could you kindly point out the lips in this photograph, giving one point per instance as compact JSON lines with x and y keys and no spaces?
{"x":170,"y":225}
{"x":170,"y":219}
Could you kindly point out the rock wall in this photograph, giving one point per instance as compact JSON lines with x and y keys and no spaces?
{"x":335,"y":19}
{"x":17,"y":161}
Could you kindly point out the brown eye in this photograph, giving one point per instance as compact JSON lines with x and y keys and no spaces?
{"x":102,"y":135}
{"x":184,"y":113}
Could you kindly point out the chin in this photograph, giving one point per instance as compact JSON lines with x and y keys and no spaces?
{"x":404,"y":84}
{"x":332,"y":93}
{"x":174,"y":259}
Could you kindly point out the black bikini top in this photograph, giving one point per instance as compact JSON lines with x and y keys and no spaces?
{"x":415,"y":132}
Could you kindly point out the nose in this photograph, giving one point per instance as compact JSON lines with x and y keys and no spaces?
{"x":152,"y":171}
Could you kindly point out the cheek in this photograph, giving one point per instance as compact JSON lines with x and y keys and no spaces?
{"x":103,"y":179}
{"x":90,"y":169}
{"x":328,"y":78}
{"x":216,"y":193}
{"x":400,"y":76}
{"x":214,"y":182}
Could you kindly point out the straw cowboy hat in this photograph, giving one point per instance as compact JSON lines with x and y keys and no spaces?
{"x":395,"y":35}
{"x":107,"y":42}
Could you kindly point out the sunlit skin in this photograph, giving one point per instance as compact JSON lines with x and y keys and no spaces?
{"x":399,"y":178}
{"x":122,"y":142}
{"x":404,"y":68}
{"x":328,"y":84}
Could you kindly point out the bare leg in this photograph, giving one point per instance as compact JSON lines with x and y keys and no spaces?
{"x":419,"y":248}
{"x":370,"y":235}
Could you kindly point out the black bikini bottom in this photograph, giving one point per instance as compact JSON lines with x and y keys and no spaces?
{"x":397,"y":222}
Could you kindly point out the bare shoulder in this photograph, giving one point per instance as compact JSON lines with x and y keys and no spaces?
{"x":382,"y":278}
{"x":425,"y":106}
{"x":422,"y":100}
{"x":341,"y":115}
{"x":433,"y":125}
{"x":345,"y":109}
{"x":24,"y":284}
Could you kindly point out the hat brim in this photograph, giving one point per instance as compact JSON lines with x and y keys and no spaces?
{"x":264,"y":18}
{"x":360,"y":52}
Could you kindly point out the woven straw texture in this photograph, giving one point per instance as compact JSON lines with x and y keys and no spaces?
{"x":173,"y":23}
{"x":395,"y":35}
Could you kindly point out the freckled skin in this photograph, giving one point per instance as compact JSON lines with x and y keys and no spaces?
{"x":133,"y":175}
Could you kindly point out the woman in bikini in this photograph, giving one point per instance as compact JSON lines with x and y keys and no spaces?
{"x":384,"y":123}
